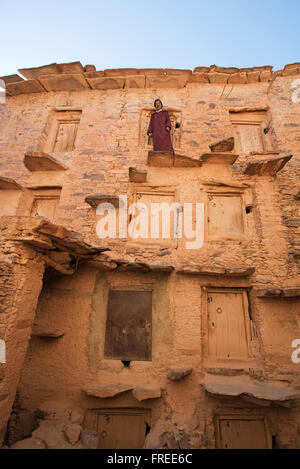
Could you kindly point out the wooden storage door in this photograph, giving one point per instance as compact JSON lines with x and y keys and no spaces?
{"x":65,"y":137}
{"x":225,"y":215}
{"x":251,"y":137}
{"x":243,"y":434}
{"x":147,"y":200}
{"x":129,"y":325}
{"x":44,"y":207}
{"x":121,"y":431}
{"x":227,"y":325}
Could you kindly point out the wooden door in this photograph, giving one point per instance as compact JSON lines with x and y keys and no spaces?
{"x":227,"y":326}
{"x":65,"y":137}
{"x":121,"y":431}
{"x":158,"y":198}
{"x":129,"y":325}
{"x":251,"y":138}
{"x":243,"y":433}
{"x":45,"y":207}
{"x":225,"y":215}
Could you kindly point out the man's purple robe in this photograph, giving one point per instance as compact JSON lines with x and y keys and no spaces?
{"x":157,"y":127}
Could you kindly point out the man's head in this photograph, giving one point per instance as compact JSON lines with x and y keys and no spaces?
{"x":158,"y":104}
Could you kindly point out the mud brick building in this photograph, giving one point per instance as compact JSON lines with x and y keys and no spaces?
{"x":128,"y":342}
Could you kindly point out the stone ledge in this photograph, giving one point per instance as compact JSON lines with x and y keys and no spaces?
{"x":47,"y":333}
{"x":273,"y":292}
{"x":222,"y":146}
{"x":166,"y":159}
{"x":11,"y":78}
{"x":136,"y":175}
{"x":262,"y":393}
{"x":119,"y":72}
{"x":36,"y":72}
{"x":135,"y":78}
{"x":37,"y":243}
{"x":266,"y":166}
{"x":239,"y":109}
{"x":193,"y":269}
{"x":67,"y":239}
{"x":141,"y":393}
{"x":177,"y":374}
{"x":106,"y":83}
{"x":24,"y":87}
{"x":219,"y":158}
{"x":143,"y":267}
{"x":166,"y":81}
{"x":101,"y":263}
{"x":70,"y":68}
{"x":291,"y":222}
{"x":96,"y":199}
{"x":106,"y":391}
{"x":40,"y":161}
{"x":64,"y":82}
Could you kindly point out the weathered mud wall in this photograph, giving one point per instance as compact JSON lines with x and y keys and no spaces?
{"x":258,"y":264}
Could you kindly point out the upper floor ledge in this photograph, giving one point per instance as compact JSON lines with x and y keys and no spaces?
{"x":258,"y":164}
{"x":74,"y":76}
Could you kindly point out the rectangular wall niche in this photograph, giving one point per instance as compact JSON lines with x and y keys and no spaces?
{"x":60,"y":132}
{"x":228,"y":324}
{"x":225,"y":217}
{"x":45,"y":202}
{"x":129,"y":326}
{"x":249,"y":132}
{"x":146,"y":142}
{"x":112,"y":426}
{"x":243,"y":432}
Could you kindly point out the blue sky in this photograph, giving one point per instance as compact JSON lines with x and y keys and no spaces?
{"x":156,"y":34}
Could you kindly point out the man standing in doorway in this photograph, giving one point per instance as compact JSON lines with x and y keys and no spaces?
{"x":160,"y":128}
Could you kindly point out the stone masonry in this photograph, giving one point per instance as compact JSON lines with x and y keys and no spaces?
{"x":104,"y":334}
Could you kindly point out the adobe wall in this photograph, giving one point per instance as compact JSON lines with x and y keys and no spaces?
{"x":109,"y":141}
{"x":61,"y":369}
{"x":21,"y":282}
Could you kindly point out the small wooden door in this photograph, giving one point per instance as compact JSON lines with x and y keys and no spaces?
{"x":225,"y":215}
{"x":157,"y":221}
{"x":243,"y":433}
{"x":45,"y":207}
{"x":129,"y":325}
{"x":65,"y":137}
{"x":121,"y":431}
{"x":251,"y":137}
{"x":227,"y":324}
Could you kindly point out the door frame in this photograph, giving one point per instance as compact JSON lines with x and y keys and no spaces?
{"x":241,"y":415}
